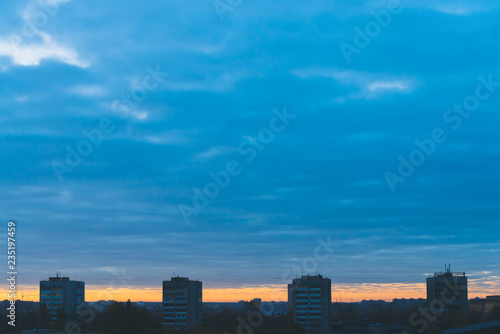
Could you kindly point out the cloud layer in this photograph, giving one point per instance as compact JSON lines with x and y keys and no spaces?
{"x":93,"y":63}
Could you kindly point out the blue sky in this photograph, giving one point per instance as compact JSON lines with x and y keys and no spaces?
{"x":229,"y":75}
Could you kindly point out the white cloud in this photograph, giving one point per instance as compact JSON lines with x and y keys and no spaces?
{"x":459,"y":7}
{"x":173,"y":137}
{"x":140,"y":115}
{"x":30,"y":45}
{"x":87,"y":90}
{"x":22,"y":98}
{"x":37,"y":9}
{"x":388,"y":85}
{"x":213,"y":152}
{"x":369,"y":85}
{"x":220,"y":84}
{"x":450,"y":7}
{"x":454,"y":10}
{"x":456,"y":7}
{"x":31,"y":54}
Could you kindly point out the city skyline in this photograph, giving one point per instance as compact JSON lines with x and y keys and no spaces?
{"x":276,"y":293}
{"x":249,"y":143}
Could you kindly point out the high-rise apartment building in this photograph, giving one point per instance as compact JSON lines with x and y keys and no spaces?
{"x":310,"y":300}
{"x":62,"y":297}
{"x":447,"y":293}
{"x":447,"y":299}
{"x":182,"y":301}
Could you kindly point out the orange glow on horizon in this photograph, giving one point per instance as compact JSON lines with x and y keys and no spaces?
{"x":344,"y":292}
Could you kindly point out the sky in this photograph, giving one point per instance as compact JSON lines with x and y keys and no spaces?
{"x":245,"y":143}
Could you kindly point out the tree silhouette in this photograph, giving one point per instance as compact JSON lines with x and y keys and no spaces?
{"x":127,"y":319}
{"x":60,"y":319}
{"x":44,"y":316}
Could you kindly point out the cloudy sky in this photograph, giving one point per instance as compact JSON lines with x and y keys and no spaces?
{"x":358,"y":139}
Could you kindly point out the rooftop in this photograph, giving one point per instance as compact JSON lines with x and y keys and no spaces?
{"x":447,"y":272}
{"x":473,"y":328}
{"x":59,"y":279}
{"x":178,"y":278}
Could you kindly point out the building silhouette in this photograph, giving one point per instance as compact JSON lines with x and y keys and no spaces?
{"x":492,"y":327}
{"x":310,"y":300}
{"x":484,"y":307}
{"x":62,"y":298}
{"x":447,"y":296}
{"x":182,"y":304}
